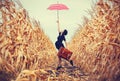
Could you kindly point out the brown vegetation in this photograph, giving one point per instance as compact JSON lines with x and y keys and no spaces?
{"x":96,"y":46}
{"x":27,"y":54}
{"x":23,"y":45}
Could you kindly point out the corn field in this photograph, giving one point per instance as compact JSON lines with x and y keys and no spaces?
{"x":96,"y":46}
{"x":27,"y":53}
{"x":23,"y":45}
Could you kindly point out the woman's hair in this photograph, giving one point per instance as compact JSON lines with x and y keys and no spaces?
{"x":65,"y":32}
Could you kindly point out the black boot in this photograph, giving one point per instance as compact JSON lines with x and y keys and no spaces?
{"x":59,"y":67}
{"x":71,"y":62}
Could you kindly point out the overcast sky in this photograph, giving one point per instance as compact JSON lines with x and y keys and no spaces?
{"x":69,"y":19}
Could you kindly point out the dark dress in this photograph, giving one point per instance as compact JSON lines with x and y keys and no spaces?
{"x":59,"y":41}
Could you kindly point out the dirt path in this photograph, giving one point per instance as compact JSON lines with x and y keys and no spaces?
{"x":69,"y":72}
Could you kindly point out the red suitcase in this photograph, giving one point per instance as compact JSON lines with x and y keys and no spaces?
{"x":64,"y":53}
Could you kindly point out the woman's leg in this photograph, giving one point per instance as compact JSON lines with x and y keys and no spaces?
{"x":59,"y":63}
{"x":59,"y":59}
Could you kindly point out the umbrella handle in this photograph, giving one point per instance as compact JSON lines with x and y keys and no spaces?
{"x":58,"y":21}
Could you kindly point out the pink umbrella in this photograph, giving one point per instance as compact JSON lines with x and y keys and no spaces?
{"x":57,"y":7}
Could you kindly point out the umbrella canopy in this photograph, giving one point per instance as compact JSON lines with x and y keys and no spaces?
{"x":58,"y":7}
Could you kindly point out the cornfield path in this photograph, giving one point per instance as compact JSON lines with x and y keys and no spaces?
{"x":70,"y":71}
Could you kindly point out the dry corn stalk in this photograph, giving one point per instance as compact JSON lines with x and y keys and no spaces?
{"x":96,"y":46}
{"x":23,"y":44}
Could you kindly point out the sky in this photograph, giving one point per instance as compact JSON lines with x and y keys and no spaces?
{"x":69,"y":19}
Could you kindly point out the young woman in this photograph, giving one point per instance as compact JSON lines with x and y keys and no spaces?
{"x":61,"y":48}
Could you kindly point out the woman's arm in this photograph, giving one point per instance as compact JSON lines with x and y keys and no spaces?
{"x":58,"y":27}
{"x":65,"y":44}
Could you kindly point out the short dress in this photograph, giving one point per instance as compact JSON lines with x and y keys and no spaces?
{"x":59,"y":41}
